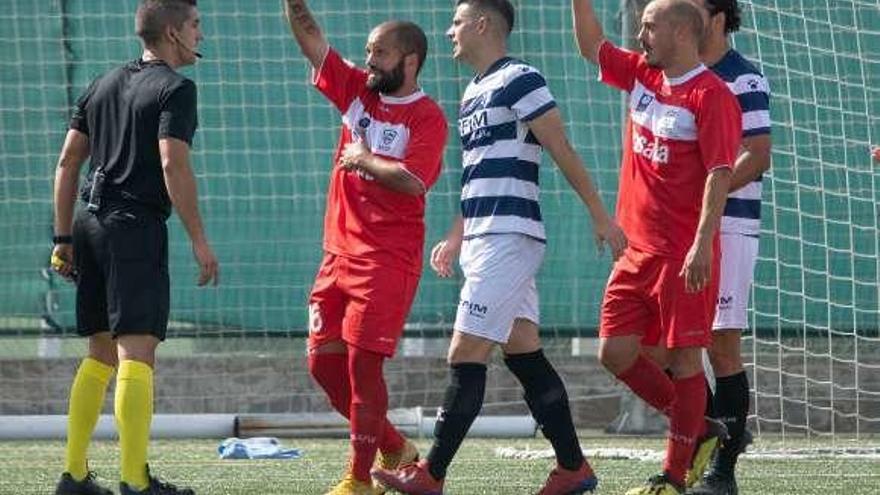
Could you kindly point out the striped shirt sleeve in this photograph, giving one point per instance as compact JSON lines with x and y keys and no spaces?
{"x":753,"y":93}
{"x":527,"y":94}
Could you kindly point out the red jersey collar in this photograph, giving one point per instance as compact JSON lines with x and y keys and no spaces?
{"x":687,"y":76}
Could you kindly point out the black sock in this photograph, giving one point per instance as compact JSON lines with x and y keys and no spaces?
{"x":710,"y":400}
{"x":732,"y":406}
{"x":461,"y":405}
{"x":546,"y":397}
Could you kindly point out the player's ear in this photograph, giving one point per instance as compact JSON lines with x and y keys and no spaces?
{"x":718,"y":22}
{"x":171,"y":34}
{"x":411,"y":60}
{"x":482,"y":23}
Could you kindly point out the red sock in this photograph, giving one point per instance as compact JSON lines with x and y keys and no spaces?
{"x":651,"y":383}
{"x":330,"y":370}
{"x":686,"y":422}
{"x":369,"y":404}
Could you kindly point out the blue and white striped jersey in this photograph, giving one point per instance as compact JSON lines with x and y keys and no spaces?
{"x":742,"y":213}
{"x":500,"y":155}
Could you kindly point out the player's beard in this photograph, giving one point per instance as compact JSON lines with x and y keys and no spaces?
{"x":651,"y":57}
{"x":387,"y":81}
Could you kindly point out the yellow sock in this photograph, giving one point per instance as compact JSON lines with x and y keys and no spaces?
{"x":86,"y":399}
{"x":134,"y":413}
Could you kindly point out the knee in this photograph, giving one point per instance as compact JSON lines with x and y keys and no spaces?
{"x":315,"y":365}
{"x":327,"y":359}
{"x":528,"y":366}
{"x":617,"y":358}
{"x":102,"y":348}
{"x":106,"y":357}
{"x":725,"y":361}
{"x":608,"y":358}
{"x":137,"y":348}
{"x":659,"y":355}
{"x":686,"y":362}
{"x":469,"y":349}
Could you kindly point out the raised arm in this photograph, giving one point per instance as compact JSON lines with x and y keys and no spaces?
{"x":306,"y":31}
{"x":587,"y":30}
{"x":550,"y":131}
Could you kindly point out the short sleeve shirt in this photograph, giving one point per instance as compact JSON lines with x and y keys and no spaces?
{"x":742,"y":213}
{"x":125,"y":113}
{"x":678,"y":131}
{"x":363,"y":218}
{"x":500,"y":154}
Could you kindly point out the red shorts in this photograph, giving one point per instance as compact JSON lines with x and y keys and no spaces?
{"x":646,"y":296}
{"x":360,"y":302}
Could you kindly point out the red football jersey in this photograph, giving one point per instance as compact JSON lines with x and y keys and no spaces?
{"x":365,"y":219}
{"x":678,"y":130}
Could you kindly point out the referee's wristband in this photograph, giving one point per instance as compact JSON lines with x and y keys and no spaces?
{"x":62,"y":239}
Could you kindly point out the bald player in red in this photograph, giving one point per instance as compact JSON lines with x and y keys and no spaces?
{"x":681,"y":142}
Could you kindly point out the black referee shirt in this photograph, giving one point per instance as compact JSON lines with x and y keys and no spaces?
{"x":125,"y":112}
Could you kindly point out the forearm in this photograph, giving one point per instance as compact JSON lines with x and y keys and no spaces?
{"x":181,"y":185}
{"x":749,"y":166}
{"x":577,"y":176}
{"x":391,"y":174}
{"x":550,"y":132}
{"x":587,"y":29}
{"x":714,"y":199}
{"x":306,"y":31}
{"x":456,"y":230}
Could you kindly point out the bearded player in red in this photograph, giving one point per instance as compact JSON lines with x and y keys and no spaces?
{"x":389,"y":154}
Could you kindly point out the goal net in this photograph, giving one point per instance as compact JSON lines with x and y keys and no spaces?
{"x":262,"y":156}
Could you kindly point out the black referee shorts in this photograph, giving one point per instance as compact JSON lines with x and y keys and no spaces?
{"x":121,"y":254}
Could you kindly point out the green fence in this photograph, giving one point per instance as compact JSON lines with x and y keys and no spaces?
{"x":263,"y":152}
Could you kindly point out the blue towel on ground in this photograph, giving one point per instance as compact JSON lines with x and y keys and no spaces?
{"x":256,"y":448}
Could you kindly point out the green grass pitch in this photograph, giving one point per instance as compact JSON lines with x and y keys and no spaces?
{"x":33,"y":468}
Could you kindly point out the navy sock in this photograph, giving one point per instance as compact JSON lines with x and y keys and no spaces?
{"x":732,"y":407}
{"x":548,"y":401}
{"x":461,"y":405}
{"x":710,"y":400}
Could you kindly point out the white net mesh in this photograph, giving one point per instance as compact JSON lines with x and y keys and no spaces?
{"x":262,"y":154}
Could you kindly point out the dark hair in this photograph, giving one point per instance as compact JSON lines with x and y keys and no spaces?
{"x":731,"y":11}
{"x":153,"y":16}
{"x":502,"y":7}
{"x":409,"y":38}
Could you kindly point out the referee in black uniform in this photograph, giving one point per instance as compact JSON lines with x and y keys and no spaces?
{"x":136,"y":123}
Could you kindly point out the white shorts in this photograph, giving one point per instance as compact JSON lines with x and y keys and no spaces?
{"x":499,"y":286}
{"x":739,"y":254}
